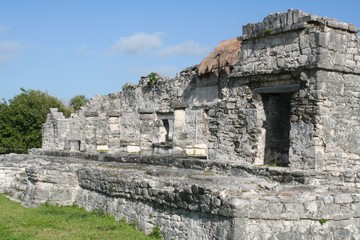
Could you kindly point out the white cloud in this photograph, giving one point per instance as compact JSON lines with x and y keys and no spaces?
{"x":8,"y":50}
{"x":185,"y":48}
{"x":3,"y":29}
{"x":58,"y":51}
{"x":84,"y":49}
{"x":150,"y":44}
{"x":139,"y":42}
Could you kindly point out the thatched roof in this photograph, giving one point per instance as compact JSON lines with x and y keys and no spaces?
{"x":224,"y":57}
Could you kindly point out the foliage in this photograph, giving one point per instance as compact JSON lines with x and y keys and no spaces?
{"x":322,"y":221}
{"x":21,"y":119}
{"x":153,"y":77}
{"x":156,"y":233}
{"x":60,"y":222}
{"x":77,"y":102}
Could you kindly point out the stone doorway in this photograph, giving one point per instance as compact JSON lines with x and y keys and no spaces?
{"x":167,"y":128}
{"x":277,"y":107}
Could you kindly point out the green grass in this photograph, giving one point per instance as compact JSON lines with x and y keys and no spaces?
{"x":62,"y":222}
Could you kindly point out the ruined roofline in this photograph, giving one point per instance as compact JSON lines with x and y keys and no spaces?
{"x":223,"y":57}
{"x":289,"y":21}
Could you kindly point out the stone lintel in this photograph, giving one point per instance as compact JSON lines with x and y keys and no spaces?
{"x":169,"y":113}
{"x":278,"y":89}
{"x":145,"y":111}
{"x":204,"y":106}
{"x":165,"y":115}
{"x":114,"y":114}
{"x":147,"y":116}
{"x":179,"y":105}
{"x":244,"y":76}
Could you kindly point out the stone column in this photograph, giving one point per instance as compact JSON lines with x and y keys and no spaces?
{"x":90,"y":131}
{"x":55,"y":131}
{"x":147,"y":120}
{"x":114,"y":123}
{"x":179,"y":135}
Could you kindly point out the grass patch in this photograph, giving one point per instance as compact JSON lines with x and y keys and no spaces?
{"x":61,"y":222}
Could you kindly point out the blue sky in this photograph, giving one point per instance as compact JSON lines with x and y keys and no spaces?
{"x":95,"y":46}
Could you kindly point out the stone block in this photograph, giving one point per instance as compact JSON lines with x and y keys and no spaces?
{"x":179,"y":105}
{"x":147,"y":116}
{"x":133,"y":149}
{"x":294,"y":208}
{"x":191,"y":151}
{"x":231,"y":105}
{"x":343,"y":199}
{"x":275,"y":208}
{"x":101,"y":148}
{"x":114,"y":114}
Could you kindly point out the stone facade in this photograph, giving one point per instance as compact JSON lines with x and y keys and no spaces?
{"x":265,"y":149}
{"x":310,"y":63}
{"x":296,"y":79}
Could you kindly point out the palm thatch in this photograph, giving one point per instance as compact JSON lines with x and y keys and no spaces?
{"x":224,"y":57}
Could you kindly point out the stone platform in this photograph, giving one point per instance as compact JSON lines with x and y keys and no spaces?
{"x":210,"y":200}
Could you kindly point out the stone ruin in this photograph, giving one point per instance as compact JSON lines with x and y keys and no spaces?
{"x":261,"y":140}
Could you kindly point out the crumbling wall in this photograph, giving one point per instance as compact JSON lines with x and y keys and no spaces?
{"x":55,"y":131}
{"x":235,"y":125}
{"x":297,"y":79}
{"x":303,"y":60}
{"x":185,"y":202}
{"x":112,"y":123}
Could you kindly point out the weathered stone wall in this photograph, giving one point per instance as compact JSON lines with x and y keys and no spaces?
{"x":175,"y":223}
{"x":55,"y":130}
{"x":295,"y":39}
{"x":235,"y":126}
{"x":113,"y":122}
{"x":187,"y":203}
{"x":10,"y":172}
{"x":339,"y":118}
{"x":297,"y":79}
{"x":303,"y":60}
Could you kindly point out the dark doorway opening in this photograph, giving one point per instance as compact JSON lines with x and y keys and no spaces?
{"x":277,"y":107}
{"x":167,"y":128}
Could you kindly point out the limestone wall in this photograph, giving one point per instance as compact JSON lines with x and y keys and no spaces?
{"x":187,"y":203}
{"x":291,"y":100}
{"x":175,"y":223}
{"x":235,"y":125}
{"x":339,"y":134}
{"x":112,"y":122}
{"x":305,"y":62}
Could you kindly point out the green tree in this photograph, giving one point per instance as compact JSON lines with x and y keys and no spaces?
{"x":77,"y":102}
{"x":21,"y":120}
